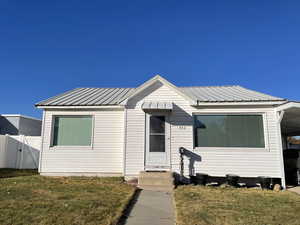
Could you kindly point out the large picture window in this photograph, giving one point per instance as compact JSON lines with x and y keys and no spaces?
{"x":72,"y":131}
{"x":245,"y":131}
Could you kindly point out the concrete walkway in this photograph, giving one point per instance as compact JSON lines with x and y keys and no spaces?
{"x":295,"y":189}
{"x":152,"y":208}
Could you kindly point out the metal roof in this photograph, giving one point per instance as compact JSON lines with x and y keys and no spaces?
{"x":158,"y":105}
{"x":227,"y":94}
{"x":113,"y":96}
{"x":88,"y":97}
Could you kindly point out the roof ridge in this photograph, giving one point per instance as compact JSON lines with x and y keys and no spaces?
{"x":210,"y":86}
{"x":176,"y":86}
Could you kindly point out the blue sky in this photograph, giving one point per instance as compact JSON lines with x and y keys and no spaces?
{"x":48,"y":47}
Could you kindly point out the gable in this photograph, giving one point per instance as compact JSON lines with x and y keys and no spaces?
{"x":158,"y":80}
{"x":156,"y":92}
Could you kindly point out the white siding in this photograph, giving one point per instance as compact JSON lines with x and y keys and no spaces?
{"x":104,"y":156}
{"x":135,"y":142}
{"x":215,"y":162}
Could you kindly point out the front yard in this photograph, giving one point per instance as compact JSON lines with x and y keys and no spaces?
{"x":34,"y":199}
{"x":197,"y":205}
{"x":27,"y":198}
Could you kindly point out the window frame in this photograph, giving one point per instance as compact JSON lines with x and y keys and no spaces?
{"x":209,"y":149}
{"x":53,"y":147}
{"x":157,"y":134}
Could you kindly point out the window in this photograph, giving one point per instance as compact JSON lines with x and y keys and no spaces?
{"x":245,"y":131}
{"x":72,"y":131}
{"x":157,"y":134}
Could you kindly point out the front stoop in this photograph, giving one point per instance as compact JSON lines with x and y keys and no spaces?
{"x":156,"y":181}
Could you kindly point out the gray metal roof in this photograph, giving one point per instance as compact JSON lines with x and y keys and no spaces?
{"x":113,"y":96}
{"x":227,"y":94}
{"x":88,"y":97}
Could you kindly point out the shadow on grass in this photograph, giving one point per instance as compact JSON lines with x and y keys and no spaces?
{"x":8,"y":173}
{"x":130,"y":205}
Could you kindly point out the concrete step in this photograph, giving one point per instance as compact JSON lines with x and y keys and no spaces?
{"x":157,"y":188}
{"x":165,"y":174}
{"x":155,"y":181}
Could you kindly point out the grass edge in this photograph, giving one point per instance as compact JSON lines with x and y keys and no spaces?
{"x":118,"y":218}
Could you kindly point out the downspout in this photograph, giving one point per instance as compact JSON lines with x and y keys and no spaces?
{"x":279,"y":119}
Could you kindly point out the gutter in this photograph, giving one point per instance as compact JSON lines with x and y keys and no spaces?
{"x":252,"y":103}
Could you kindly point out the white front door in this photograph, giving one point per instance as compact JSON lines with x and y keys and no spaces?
{"x":157,"y":141}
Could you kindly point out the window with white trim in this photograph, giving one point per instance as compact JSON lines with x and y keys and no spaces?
{"x":72,"y":130}
{"x":243,"y":131}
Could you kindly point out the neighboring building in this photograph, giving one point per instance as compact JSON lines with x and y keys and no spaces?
{"x":122,"y":131}
{"x":15,"y":124}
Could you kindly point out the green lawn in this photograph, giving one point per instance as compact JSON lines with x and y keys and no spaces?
{"x":197,"y":205}
{"x":33,"y":199}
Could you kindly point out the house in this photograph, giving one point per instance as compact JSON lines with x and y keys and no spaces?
{"x":123,"y":131}
{"x":16,"y":124}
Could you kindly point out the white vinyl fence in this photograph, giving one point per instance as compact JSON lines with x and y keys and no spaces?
{"x":19,"y":152}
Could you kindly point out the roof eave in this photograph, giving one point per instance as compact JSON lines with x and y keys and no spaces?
{"x":80,"y":107}
{"x":243,"y":103}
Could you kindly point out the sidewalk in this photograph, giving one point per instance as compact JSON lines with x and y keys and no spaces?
{"x":152,"y":208}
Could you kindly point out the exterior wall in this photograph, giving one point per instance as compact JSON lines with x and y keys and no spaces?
{"x":105,"y":156}
{"x":216,"y":161}
{"x":19,"y":125}
{"x":30,"y":127}
{"x":9,"y":125}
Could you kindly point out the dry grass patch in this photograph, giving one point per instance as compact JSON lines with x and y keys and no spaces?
{"x":197,"y":205}
{"x":66,"y":200}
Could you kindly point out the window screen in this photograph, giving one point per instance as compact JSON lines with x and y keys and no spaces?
{"x":229,"y":131}
{"x":72,"y":130}
{"x":157,"y":134}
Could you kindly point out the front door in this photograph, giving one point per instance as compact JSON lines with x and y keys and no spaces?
{"x":157,"y":138}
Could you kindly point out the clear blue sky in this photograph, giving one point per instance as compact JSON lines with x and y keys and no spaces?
{"x":48,"y":47}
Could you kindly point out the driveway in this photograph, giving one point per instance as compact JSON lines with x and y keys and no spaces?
{"x":295,"y":189}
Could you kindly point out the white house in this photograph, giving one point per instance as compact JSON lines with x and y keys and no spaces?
{"x":122,"y":131}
